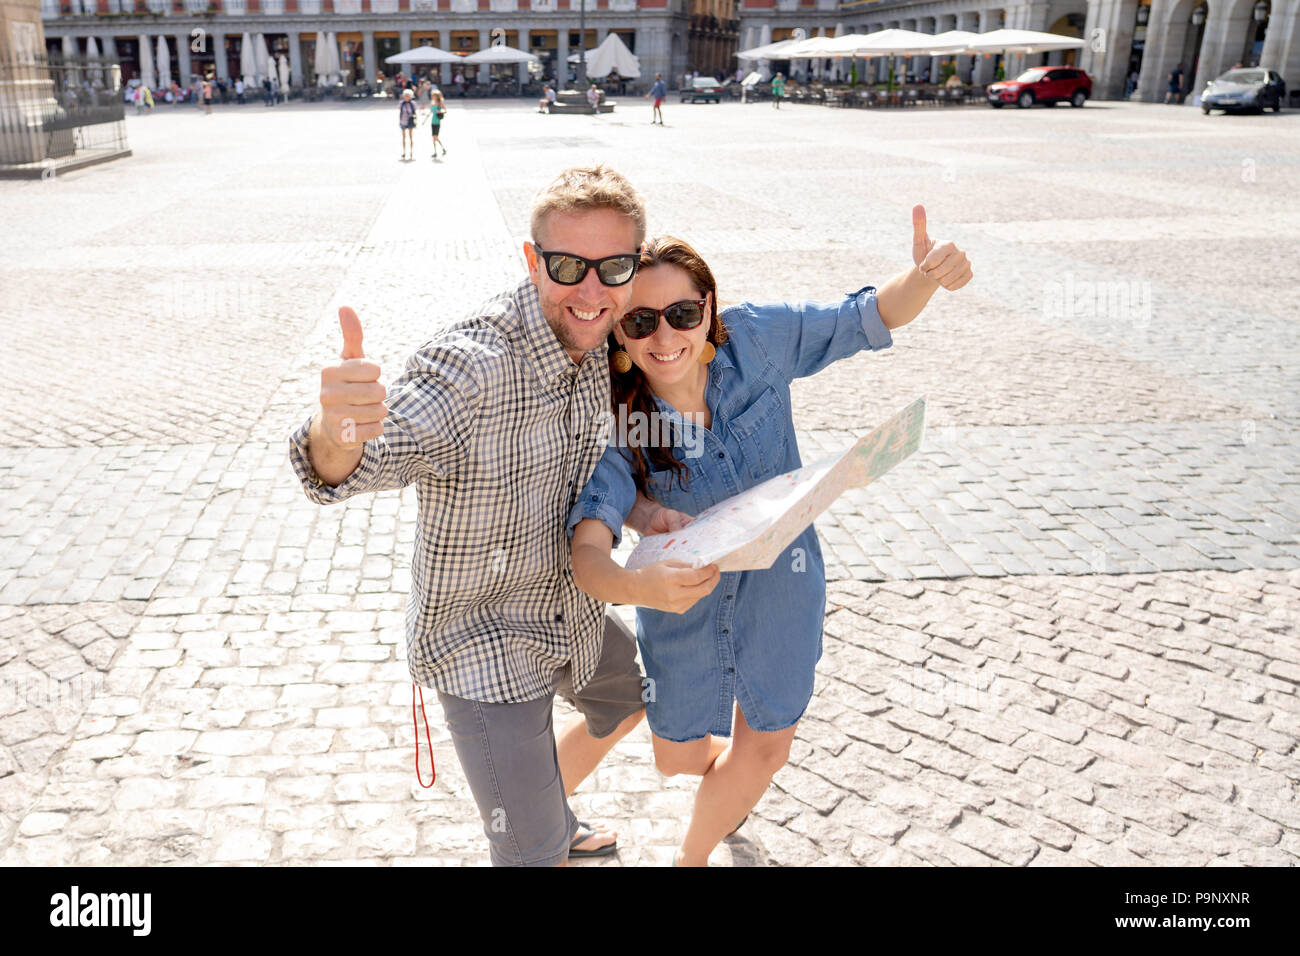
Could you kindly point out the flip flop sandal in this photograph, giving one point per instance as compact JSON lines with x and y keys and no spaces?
{"x":585,"y":832}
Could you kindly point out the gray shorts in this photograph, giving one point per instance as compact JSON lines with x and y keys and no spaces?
{"x":508,"y":753}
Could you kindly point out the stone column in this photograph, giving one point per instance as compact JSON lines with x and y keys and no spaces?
{"x":1161,"y":49}
{"x":525,"y":44}
{"x":368,"y":55}
{"x":296,"y":73}
{"x":218,"y":41}
{"x":183,"y":66}
{"x":1222,"y":45}
{"x":1272,"y":57}
{"x":562,"y":56}
{"x":484,"y":41}
{"x":984,"y":68}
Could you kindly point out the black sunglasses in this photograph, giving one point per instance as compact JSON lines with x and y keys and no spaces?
{"x":642,"y":322}
{"x":568,"y":269}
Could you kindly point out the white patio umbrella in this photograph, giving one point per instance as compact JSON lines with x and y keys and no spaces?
{"x":424,"y":54}
{"x":146,"y":63}
{"x":500,"y":54}
{"x":814,"y":48}
{"x":944,"y":40}
{"x":332,"y":48}
{"x":263,"y":55}
{"x":247,"y":60}
{"x":164,"y":64}
{"x":769,"y":51}
{"x":1023,"y":41}
{"x":893,"y":43}
{"x":321,"y":61}
{"x":613,"y":55}
{"x":284,"y":75}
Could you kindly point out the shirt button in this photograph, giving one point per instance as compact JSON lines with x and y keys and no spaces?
{"x":722,"y":454}
{"x":729,"y":597}
{"x":559,"y":618}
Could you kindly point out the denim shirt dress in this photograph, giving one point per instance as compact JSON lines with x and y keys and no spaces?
{"x":757,"y":637}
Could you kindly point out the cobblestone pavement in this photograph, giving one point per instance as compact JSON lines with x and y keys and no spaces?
{"x":1064,"y":633}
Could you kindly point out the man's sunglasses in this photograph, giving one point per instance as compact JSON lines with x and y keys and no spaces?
{"x":568,"y":269}
{"x":642,"y":322}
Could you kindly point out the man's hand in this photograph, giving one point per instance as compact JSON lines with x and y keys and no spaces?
{"x":675,"y":586}
{"x":351,"y":396}
{"x":940,"y":262}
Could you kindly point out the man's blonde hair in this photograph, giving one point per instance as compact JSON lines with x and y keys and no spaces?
{"x":582,"y":188}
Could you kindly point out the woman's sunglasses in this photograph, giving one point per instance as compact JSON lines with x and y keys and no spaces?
{"x":642,"y":322}
{"x":568,"y":269}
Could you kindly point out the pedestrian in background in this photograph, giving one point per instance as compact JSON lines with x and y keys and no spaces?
{"x":778,"y":90}
{"x":657,"y":93}
{"x":1174,"y":93}
{"x":239,"y":91}
{"x":207,"y":95}
{"x":406,"y":123}
{"x":438,"y":109}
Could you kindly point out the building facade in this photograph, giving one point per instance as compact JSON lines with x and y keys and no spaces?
{"x":1146,"y":37}
{"x":713,"y":37}
{"x":204,"y":36}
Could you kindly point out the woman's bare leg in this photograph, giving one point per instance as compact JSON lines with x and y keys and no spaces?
{"x":732,"y":787}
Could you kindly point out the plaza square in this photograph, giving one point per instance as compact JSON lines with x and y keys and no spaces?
{"x":1063,"y":633}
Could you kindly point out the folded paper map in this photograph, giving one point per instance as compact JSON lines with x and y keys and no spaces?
{"x":750,"y":530}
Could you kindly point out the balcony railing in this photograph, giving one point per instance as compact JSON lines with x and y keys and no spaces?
{"x":272,"y":7}
{"x":622,"y":6}
{"x":503,"y":6}
{"x":309,"y":6}
{"x":384,"y":6}
{"x":464,"y":6}
{"x":424,"y":6}
{"x":543,"y":6}
{"x":347,"y":7}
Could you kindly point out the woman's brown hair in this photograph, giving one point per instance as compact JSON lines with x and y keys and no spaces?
{"x":631,"y":389}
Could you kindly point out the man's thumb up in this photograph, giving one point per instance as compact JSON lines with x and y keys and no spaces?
{"x":351,"y":327}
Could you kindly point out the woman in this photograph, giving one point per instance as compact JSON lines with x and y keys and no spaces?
{"x":406,"y":122}
{"x":745,"y":641}
{"x":438,"y":111}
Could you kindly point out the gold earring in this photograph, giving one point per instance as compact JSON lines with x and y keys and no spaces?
{"x":621,"y":361}
{"x":707,"y":353}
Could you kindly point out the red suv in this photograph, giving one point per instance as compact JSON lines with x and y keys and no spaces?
{"x":1042,"y":84}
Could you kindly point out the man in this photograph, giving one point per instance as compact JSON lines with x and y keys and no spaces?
{"x":778,"y":90}
{"x":657,"y":93}
{"x":500,"y":420}
{"x":1174,"y":93}
{"x":547,"y":100}
{"x":239,"y":90}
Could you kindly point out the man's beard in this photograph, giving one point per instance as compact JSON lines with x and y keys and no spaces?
{"x":565,"y":335}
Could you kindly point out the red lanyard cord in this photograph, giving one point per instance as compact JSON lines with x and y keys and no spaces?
{"x":416,"y":722}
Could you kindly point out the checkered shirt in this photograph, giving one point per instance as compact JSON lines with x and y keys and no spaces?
{"x":499,"y":430}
